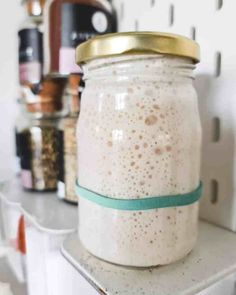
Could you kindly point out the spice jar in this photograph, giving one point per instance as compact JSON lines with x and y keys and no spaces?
{"x":31,"y":44}
{"x":39,"y":137}
{"x":68,"y":165}
{"x":139,"y":142}
{"x":69,"y":23}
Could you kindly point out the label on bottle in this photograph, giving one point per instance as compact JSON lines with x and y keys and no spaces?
{"x":25,"y":160}
{"x":30,"y":55}
{"x":17,"y":142}
{"x":78,"y":24}
{"x":61,"y":176}
{"x":30,"y":72}
{"x":67,"y":61}
{"x":61,"y":190}
{"x":17,"y":153}
{"x":26,"y":179}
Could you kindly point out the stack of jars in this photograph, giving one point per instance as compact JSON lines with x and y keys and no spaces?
{"x":50,"y":86}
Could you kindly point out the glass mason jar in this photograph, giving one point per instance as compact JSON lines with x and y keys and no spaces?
{"x":139,"y":142}
{"x":39,"y":136}
{"x":68,"y":23}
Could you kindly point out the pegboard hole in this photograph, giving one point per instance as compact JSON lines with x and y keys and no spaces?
{"x":193,"y":33}
{"x":214,"y":191}
{"x":218,"y":64}
{"x":172,"y":15}
{"x":216,"y":129}
{"x":136,"y":25}
{"x":122,"y":10}
{"x":153,"y":2}
{"x":219,"y":4}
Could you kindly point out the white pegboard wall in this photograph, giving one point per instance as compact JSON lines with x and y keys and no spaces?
{"x":212,"y":24}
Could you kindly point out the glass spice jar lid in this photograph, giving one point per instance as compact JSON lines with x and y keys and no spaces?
{"x":48,"y":99}
{"x":34,"y":7}
{"x":137,"y":43}
{"x":73,"y":93}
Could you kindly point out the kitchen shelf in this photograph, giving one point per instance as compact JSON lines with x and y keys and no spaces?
{"x":6,"y":276}
{"x":213,"y":260}
{"x":44,"y":210}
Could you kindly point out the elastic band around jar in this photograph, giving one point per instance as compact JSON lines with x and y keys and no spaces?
{"x":149,"y":203}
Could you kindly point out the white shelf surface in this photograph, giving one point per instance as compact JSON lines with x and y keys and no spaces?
{"x":44,"y":210}
{"x":6,"y":276}
{"x":212,"y":260}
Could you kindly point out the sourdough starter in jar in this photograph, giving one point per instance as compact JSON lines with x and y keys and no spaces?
{"x":139,"y":136}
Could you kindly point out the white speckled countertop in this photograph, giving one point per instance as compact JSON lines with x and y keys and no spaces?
{"x":213,"y":258}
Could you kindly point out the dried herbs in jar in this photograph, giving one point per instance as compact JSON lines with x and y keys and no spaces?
{"x":39,"y":135}
{"x":39,"y":156}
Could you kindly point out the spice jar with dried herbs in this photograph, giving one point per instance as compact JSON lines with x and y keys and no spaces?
{"x":68,"y":23}
{"x":38,"y":137}
{"x":68,"y":164}
{"x":31,"y":43}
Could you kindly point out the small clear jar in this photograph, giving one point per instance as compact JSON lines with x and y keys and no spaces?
{"x":39,"y":136}
{"x":68,"y":168}
{"x":38,"y":140}
{"x":139,"y":140}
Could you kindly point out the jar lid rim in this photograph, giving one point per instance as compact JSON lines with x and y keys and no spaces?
{"x":137,"y":43}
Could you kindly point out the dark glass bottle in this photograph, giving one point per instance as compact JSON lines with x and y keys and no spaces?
{"x":68,"y":23}
{"x":31,"y":44}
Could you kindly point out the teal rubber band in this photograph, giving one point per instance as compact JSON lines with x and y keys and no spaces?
{"x":141,"y":204}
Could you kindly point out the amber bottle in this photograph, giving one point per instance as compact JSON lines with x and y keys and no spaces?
{"x":68,"y":23}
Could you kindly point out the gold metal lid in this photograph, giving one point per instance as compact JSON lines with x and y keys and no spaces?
{"x":137,"y":43}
